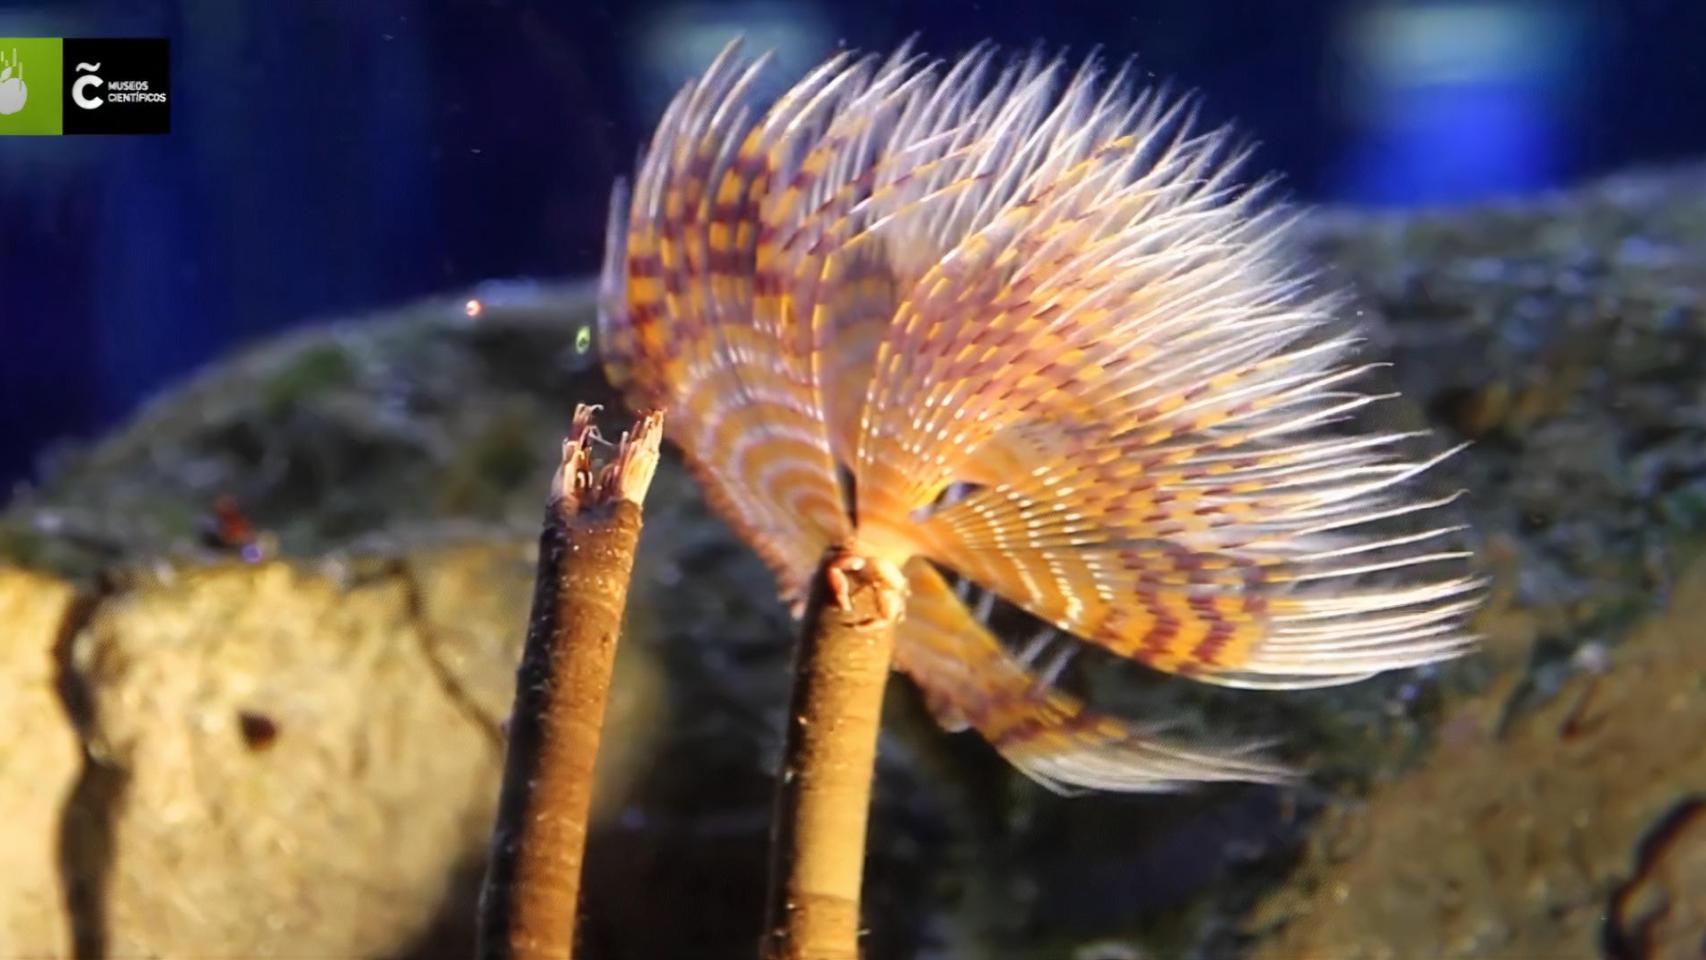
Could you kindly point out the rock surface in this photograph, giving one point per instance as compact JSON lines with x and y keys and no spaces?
{"x":285,"y":759}
{"x":286,"y":724}
{"x":1523,"y":836}
{"x":286,"y":744}
{"x":39,"y":761}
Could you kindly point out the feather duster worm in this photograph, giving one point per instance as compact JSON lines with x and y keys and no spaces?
{"x":1021,"y":325}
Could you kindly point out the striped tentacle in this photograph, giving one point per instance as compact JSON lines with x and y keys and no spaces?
{"x":969,"y":678}
{"x":983,"y":337}
{"x":1084,"y":355}
{"x":1242,"y":569}
{"x":701,"y":327}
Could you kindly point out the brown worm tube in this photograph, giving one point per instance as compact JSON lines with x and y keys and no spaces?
{"x":586,"y":554}
{"x":824,"y":794}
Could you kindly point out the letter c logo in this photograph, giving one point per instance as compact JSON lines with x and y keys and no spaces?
{"x":79,"y":94}
{"x":79,"y":90}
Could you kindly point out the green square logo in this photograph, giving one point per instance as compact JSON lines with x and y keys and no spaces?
{"x":32,"y":73}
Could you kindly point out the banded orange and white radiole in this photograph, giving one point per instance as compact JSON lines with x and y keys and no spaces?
{"x":1020,"y":323}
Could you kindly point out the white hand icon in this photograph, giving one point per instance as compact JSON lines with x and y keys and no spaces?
{"x":13,"y":91}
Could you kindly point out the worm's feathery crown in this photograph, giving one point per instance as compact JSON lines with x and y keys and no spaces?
{"x":1021,"y":324}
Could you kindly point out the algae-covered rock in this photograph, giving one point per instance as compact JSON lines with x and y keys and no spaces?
{"x":1549,"y":834}
{"x":1565,"y":336}
{"x":1660,"y":912}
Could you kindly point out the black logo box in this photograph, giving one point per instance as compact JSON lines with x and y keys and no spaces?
{"x":119,"y":61}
